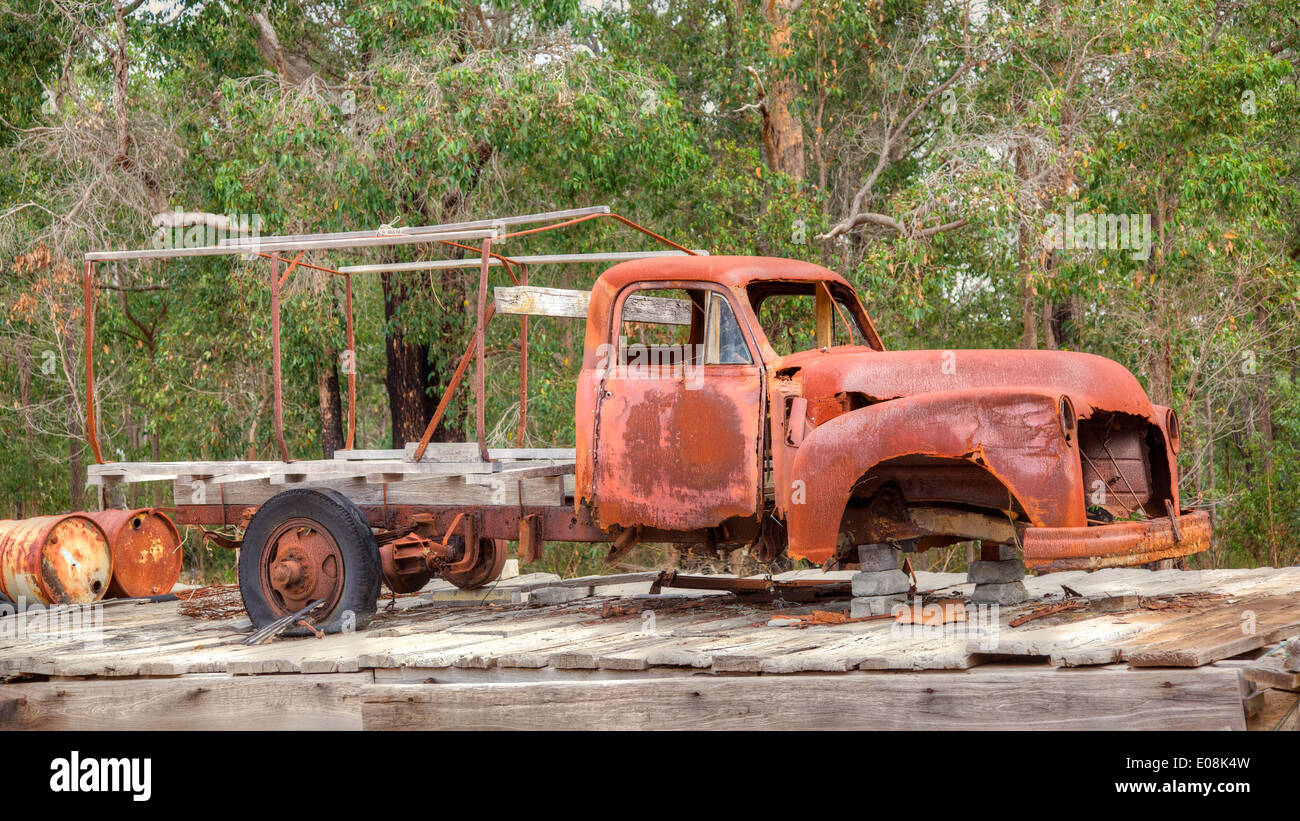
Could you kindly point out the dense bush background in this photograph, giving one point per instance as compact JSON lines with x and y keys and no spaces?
{"x":921,"y":148}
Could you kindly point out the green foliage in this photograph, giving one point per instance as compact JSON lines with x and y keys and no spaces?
{"x":425,"y":111}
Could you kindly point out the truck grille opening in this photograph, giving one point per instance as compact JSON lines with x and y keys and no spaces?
{"x":1116,"y":451}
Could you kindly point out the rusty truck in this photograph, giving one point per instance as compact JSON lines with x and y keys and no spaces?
{"x":724,"y":402}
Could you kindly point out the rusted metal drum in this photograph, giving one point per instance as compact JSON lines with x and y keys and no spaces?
{"x":54,"y":559}
{"x":146,"y":551}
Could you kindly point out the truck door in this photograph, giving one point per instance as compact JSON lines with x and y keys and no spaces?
{"x":679,"y":414}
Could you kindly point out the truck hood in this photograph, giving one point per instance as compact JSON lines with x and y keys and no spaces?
{"x":1092,"y":382}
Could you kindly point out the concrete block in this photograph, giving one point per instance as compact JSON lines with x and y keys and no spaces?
{"x":880,"y":583}
{"x":873,"y":558}
{"x":1003,"y":572}
{"x":1010,"y":593}
{"x":874,"y":605}
{"x":557,"y":595}
{"x":1001,"y":552}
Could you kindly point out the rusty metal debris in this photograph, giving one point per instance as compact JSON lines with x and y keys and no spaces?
{"x":212,"y":603}
{"x":765,"y":589}
{"x":821,"y":617}
{"x":1066,"y":606}
{"x":933,"y":613}
{"x":278,"y":626}
{"x":1180,"y":601}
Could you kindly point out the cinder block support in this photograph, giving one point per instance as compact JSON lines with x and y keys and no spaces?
{"x":998,"y":576}
{"x":880,"y":584}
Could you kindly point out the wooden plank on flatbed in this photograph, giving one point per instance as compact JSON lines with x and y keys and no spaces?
{"x":194,"y":702}
{"x":468,"y":451}
{"x":1219,"y":633}
{"x":1271,"y":671}
{"x":986,"y":698}
{"x":564,"y":302}
{"x":448,"y":490}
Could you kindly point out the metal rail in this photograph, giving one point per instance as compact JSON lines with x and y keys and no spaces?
{"x":501,"y":222}
{"x":523,"y":259}
{"x":258,"y":246}
{"x":272,"y":248}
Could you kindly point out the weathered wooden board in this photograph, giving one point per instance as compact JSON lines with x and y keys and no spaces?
{"x":563,"y":302}
{"x":1271,"y":671}
{"x":442,"y":490}
{"x":1222,"y":632}
{"x":198,"y":702}
{"x":988,"y":698}
{"x":467,"y":451}
{"x":676,"y":632}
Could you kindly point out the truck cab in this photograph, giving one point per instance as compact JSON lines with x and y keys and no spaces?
{"x":751,"y":400}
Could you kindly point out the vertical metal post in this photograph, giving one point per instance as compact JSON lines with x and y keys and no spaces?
{"x":88,"y":326}
{"x":523,"y":369}
{"x":480,"y":354}
{"x":352,"y":369}
{"x":278,"y":408}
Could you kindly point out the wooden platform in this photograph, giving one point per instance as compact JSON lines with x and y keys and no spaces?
{"x":449,"y":473}
{"x":1133,"y":649}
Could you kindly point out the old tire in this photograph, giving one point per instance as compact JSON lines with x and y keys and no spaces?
{"x":307,"y":544}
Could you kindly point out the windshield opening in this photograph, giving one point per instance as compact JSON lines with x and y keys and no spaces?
{"x":788,"y":314}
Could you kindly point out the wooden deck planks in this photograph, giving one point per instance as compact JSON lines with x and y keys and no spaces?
{"x":990,"y":698}
{"x":199,"y":702}
{"x":718,"y":634}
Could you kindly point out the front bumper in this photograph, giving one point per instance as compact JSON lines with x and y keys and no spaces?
{"x":1120,"y":544}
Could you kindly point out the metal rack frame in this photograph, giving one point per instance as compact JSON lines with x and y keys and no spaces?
{"x":276,"y":248}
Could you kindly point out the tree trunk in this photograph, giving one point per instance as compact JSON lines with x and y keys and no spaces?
{"x":331,"y":406}
{"x":1263,"y":402}
{"x":156,"y":447}
{"x":409,"y":403}
{"x":782,"y":132}
{"x":76,"y":473}
{"x":1026,"y":245}
{"x":1159,"y":364}
{"x":453,"y":339}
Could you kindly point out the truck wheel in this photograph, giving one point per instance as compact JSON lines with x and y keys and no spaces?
{"x":491,"y":558}
{"x":304,"y":545}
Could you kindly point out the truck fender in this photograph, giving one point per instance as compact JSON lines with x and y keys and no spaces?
{"x":1015,"y":434}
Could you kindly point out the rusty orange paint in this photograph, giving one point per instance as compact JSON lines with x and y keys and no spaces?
{"x":54,"y":559}
{"x":1011,"y":434}
{"x":146,"y":551}
{"x":701,"y":443}
{"x":1021,"y":434}
{"x":1118,"y":544}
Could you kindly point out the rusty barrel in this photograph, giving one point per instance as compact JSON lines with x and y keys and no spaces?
{"x":146,"y":551}
{"x":61,"y":559}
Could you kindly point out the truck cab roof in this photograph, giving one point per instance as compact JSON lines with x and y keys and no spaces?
{"x":743,"y":275}
{"x":730,"y":271}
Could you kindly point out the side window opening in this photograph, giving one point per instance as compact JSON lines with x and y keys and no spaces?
{"x":672,"y":327}
{"x":661,"y":327}
{"x":724,"y":343}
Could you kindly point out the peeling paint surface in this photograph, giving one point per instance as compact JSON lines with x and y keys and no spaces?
{"x":54,"y":559}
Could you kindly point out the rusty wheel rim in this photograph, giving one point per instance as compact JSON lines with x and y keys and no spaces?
{"x":492,"y":556}
{"x":302,"y":562}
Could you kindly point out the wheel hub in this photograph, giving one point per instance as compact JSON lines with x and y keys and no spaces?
{"x":303,"y":563}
